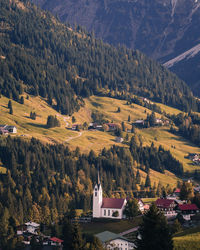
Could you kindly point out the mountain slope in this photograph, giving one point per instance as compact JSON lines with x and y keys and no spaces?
{"x":43,"y":57}
{"x":147,"y":25}
{"x":187,"y":66}
{"x":93,"y":140}
{"x":162,"y":29}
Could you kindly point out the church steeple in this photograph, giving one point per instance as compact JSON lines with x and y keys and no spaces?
{"x":98,"y":178}
{"x":97,"y":198}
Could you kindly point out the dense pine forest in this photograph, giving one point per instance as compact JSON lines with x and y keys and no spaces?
{"x":43,"y":181}
{"x":41,"y":56}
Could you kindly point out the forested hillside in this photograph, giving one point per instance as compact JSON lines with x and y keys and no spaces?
{"x":42,"y":182}
{"x":43,"y":57}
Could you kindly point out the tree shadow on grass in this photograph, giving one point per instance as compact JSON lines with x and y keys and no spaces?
{"x":38,"y":125}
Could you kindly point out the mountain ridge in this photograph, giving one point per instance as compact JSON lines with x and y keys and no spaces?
{"x":160,"y":29}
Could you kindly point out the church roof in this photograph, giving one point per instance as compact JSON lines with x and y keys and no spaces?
{"x":112,"y":203}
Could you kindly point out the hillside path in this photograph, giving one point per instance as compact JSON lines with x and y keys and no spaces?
{"x":71,"y":138}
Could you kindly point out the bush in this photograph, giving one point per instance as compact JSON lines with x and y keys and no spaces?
{"x":115,"y":214}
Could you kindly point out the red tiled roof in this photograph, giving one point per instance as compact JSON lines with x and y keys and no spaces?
{"x":164,"y":203}
{"x":112,"y":203}
{"x":183,"y":207}
{"x":56,"y":240}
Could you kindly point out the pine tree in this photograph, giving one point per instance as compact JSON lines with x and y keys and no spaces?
{"x":131,"y":209}
{"x":138,"y":178}
{"x":186,"y":192}
{"x":9,"y":104}
{"x":154,"y":231}
{"x":10,"y":107}
{"x":133,"y":129}
{"x":95,"y":244}
{"x":11,"y":111}
{"x":22,"y":100}
{"x":148,"y":181}
{"x":67,"y":234}
{"x":73,"y":119}
{"x":77,"y":242}
{"x":176,"y":227}
{"x":123,"y":126}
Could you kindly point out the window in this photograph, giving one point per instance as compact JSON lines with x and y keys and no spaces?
{"x":95,"y":193}
{"x":104,"y":212}
{"x":108,"y":212}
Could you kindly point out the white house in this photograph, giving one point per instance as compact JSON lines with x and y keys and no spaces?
{"x":106,"y":207}
{"x":32,"y":227}
{"x":11,"y":129}
{"x":115,"y":241}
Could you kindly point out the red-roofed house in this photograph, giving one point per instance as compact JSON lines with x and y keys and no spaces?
{"x":167,"y":206}
{"x":176,"y":192}
{"x":106,"y":207}
{"x":188,"y":210}
{"x":56,"y":241}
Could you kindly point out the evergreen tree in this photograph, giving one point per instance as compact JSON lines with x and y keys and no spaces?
{"x":95,"y":244}
{"x":131,"y":209}
{"x":129,"y":118}
{"x":10,"y":107}
{"x":176,"y":227}
{"x":22,"y":100}
{"x":138,"y":178}
{"x":148,"y":181}
{"x":67,"y":234}
{"x":9,"y":104}
{"x":52,"y":121}
{"x":11,"y":110}
{"x":186,"y":192}
{"x":77,"y":242}
{"x":33,"y":115}
{"x":133,"y":129}
{"x":123,"y":126}
{"x":154,"y":231}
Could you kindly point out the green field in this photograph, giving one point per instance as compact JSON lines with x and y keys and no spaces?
{"x":187,"y":240}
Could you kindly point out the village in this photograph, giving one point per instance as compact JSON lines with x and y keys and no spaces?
{"x":113,"y":209}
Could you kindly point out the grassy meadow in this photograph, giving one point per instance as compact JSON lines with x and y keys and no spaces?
{"x":187,"y":240}
{"x":96,"y":140}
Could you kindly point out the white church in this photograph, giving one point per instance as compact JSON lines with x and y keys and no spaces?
{"x":106,"y":207}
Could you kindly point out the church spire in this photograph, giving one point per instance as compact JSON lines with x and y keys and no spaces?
{"x":98,"y":178}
